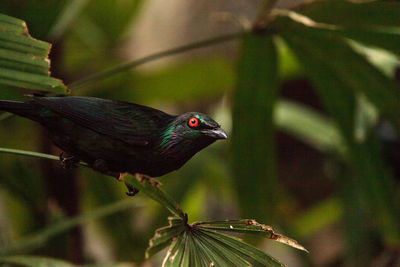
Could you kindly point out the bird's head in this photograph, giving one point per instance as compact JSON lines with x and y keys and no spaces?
{"x":189,"y":133}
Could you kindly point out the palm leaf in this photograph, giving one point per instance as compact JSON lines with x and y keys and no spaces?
{"x":202,"y":244}
{"x":249,"y":227}
{"x":24,"y":60}
{"x":164,"y":236}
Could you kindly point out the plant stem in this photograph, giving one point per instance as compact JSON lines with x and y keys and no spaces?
{"x":32,"y":154}
{"x":131,"y":64}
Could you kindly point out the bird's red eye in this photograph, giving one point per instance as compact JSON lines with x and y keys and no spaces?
{"x":193,"y":122}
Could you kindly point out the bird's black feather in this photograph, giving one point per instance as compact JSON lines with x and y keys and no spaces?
{"x":115,"y":136}
{"x":128,"y":122}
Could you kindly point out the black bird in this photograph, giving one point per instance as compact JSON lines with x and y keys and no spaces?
{"x":115,"y":137}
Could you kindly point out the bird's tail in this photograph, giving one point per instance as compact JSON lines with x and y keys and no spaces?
{"x":25,"y":109}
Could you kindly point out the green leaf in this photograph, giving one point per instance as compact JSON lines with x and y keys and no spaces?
{"x":319,"y":59}
{"x":34,"y":261}
{"x":39,"y":239}
{"x":389,"y":41}
{"x":220,"y":254}
{"x":309,"y":126}
{"x":213,"y":251}
{"x":156,"y":194}
{"x":24,"y":60}
{"x":243,"y":250}
{"x":16,"y":60}
{"x":348,"y":71}
{"x":253,"y":133}
{"x":204,"y":257}
{"x":204,"y":248}
{"x":164,"y":236}
{"x":353,"y":15}
{"x":200,"y":244}
{"x":15,"y":37}
{"x":248,"y":226}
{"x":29,"y":80}
{"x":13,"y":25}
{"x":23,"y":44}
{"x":187,"y":257}
{"x":370,"y":23}
{"x":340,"y":74}
{"x":175,"y":253}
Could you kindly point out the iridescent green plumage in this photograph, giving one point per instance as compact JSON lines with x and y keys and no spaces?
{"x":115,"y":137}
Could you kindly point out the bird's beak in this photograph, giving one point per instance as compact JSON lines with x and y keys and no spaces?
{"x":216,"y":133}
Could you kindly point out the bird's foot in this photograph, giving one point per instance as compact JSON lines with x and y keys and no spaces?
{"x":151,"y":181}
{"x":68,"y":163}
{"x":131,"y":190}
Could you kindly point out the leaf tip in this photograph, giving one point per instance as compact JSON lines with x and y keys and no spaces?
{"x":290,"y":242}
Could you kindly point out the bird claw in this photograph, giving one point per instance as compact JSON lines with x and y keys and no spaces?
{"x":131,"y":190}
{"x":151,"y":181}
{"x":68,"y":163}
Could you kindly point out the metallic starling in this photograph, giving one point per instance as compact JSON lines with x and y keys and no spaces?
{"x":115,"y":137}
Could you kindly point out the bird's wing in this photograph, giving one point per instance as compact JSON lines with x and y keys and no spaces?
{"x":131,"y":123}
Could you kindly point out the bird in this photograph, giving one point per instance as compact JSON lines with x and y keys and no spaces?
{"x":117,"y":137}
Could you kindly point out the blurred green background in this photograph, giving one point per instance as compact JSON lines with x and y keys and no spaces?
{"x":312,"y":113}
